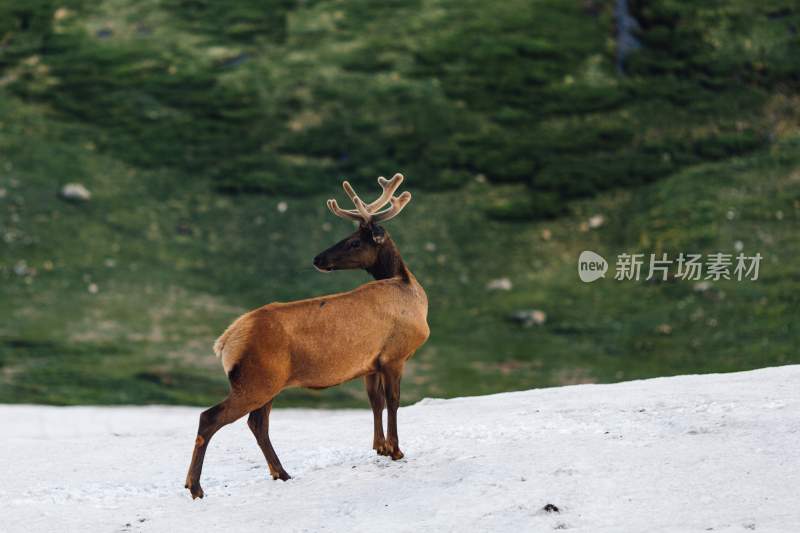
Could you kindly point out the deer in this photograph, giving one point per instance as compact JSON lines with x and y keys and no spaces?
{"x":370,"y":332}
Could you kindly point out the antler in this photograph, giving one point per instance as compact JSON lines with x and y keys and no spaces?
{"x":367,"y":213}
{"x":398,"y":203}
{"x":389,"y":187}
{"x":344,"y":213}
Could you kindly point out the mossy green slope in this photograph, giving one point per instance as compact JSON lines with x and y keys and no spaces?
{"x":118,"y":300}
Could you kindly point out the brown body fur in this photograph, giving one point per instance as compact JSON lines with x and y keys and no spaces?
{"x":322,"y":342}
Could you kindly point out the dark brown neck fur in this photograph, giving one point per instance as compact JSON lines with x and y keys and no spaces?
{"x":389,"y":263}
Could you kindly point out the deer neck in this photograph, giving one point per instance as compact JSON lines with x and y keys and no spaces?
{"x":389,"y":263}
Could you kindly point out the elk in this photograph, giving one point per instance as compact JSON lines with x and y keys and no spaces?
{"x":370,"y":331}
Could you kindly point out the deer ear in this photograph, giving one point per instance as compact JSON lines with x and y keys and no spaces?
{"x":378,"y":234}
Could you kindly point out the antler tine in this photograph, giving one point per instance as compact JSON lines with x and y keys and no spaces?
{"x":343,"y":213}
{"x":389,"y":187}
{"x":362,"y":208}
{"x":398,"y":203}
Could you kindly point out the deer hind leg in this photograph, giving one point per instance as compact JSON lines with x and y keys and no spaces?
{"x":258,"y":421}
{"x":377,"y":400}
{"x":231,"y":409}
{"x":391,"y":374}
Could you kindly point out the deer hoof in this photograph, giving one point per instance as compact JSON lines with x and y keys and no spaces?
{"x":381,"y":449}
{"x":195,"y":489}
{"x":392,"y":450}
{"x":282,"y":475}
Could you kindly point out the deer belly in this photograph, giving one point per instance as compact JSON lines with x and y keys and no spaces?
{"x":326,"y":368}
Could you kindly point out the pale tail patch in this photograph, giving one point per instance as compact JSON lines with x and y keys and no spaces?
{"x":230,"y":345}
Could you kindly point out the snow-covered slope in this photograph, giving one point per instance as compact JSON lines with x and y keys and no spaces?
{"x":693,"y":453}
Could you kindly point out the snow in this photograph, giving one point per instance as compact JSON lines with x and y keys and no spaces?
{"x":693,"y":453}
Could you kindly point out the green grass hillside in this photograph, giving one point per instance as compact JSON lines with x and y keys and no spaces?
{"x":251,"y":92}
{"x":190,"y":128}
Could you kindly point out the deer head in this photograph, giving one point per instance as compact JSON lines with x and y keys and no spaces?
{"x":369,"y":247}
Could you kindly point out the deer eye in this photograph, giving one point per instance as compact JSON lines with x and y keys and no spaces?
{"x":354,"y":244}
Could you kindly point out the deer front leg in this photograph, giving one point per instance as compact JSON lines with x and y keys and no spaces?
{"x":391,"y":375}
{"x":377,"y":401}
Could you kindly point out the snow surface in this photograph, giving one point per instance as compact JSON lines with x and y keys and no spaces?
{"x":693,"y":453}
